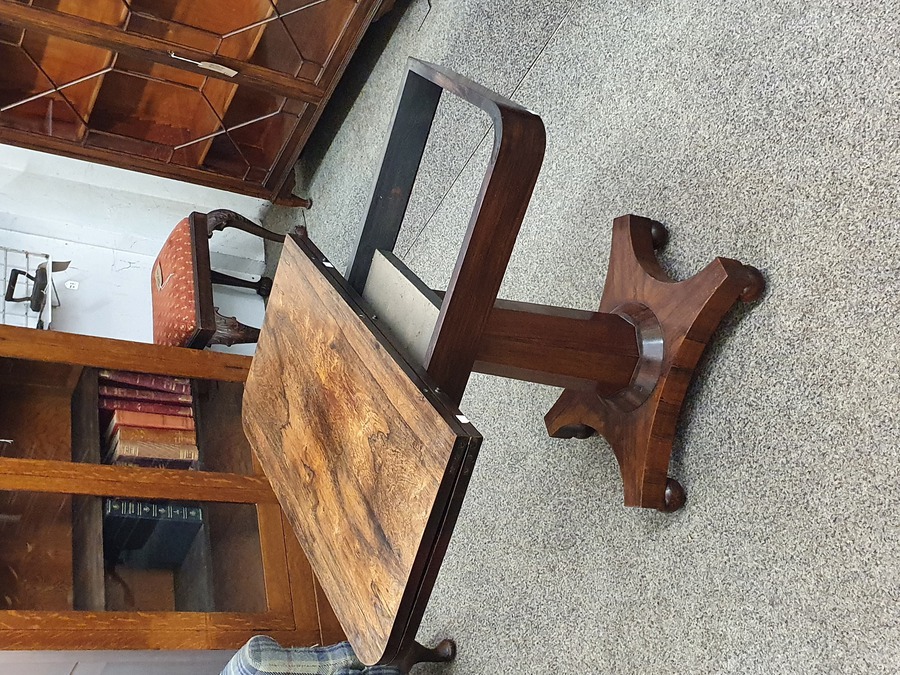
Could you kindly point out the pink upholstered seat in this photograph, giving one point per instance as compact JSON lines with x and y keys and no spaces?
{"x":173,"y":284}
{"x":181,"y":284}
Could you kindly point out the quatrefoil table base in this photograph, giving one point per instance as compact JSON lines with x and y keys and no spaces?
{"x":674,"y":321}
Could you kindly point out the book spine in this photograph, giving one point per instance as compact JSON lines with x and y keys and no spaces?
{"x":131,"y":418}
{"x":143,"y":434}
{"x":145,"y":406}
{"x":177,"y":385}
{"x":165,"y":510}
{"x":155,"y":450}
{"x":144,"y":395}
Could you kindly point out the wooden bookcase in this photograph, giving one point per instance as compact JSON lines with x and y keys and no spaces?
{"x":223,"y":93}
{"x":245,"y":573}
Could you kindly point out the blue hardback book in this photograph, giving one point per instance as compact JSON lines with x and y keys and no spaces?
{"x":148,"y":534}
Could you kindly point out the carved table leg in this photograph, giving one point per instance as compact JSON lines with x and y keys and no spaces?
{"x":444,"y":652}
{"x":675,"y":321}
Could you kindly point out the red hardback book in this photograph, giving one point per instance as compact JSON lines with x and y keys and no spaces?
{"x":146,"y":406}
{"x":148,"y":420}
{"x":177,"y":385}
{"x":174,"y":436}
{"x":144,"y":394}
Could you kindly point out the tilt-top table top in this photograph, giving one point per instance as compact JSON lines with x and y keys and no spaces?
{"x":368,"y":461}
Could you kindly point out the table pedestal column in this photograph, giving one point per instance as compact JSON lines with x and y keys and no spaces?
{"x":625,"y":369}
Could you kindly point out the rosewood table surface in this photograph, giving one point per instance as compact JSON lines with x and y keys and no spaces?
{"x":368,"y":461}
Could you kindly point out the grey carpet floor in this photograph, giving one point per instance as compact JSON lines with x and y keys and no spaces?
{"x":767,"y":132}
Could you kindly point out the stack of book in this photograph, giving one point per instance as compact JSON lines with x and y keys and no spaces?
{"x":150,"y":420}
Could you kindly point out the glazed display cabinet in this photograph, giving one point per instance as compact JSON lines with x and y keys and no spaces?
{"x":223,"y":93}
{"x":244,"y":573}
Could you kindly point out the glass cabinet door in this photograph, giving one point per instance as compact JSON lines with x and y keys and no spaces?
{"x":78,"y":534}
{"x":99,"y":99}
{"x":64,"y":552}
{"x":124,"y":421}
{"x":102,"y":100}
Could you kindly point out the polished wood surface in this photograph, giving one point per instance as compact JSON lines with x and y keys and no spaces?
{"x":54,"y":347}
{"x":676,"y":320}
{"x":558,"y":346}
{"x":517,"y":154}
{"x":625,"y":369}
{"x":153,"y":49}
{"x":360,"y":450}
{"x":42,"y":475}
{"x":301,"y":576}
{"x":138,"y":92}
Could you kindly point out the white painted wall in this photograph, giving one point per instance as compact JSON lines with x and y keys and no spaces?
{"x":111,"y":224}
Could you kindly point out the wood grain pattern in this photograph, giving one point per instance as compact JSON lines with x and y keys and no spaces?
{"x":304,"y":588}
{"x":55,"y":347}
{"x":53,"y":413}
{"x":38,"y":421}
{"x":85,"y":423}
{"x":640,"y":422}
{"x":558,"y":346}
{"x":329,"y":624}
{"x":144,"y":621}
{"x":39,"y":475}
{"x":518,"y":151}
{"x":155,"y":636}
{"x":118,"y":118}
{"x":36,"y":556}
{"x":341,"y":53}
{"x":154,"y":49}
{"x":89,"y":589}
{"x":517,"y":154}
{"x":220,"y":437}
{"x":149,"y":165}
{"x":241,"y":542}
{"x":20,"y":372}
{"x":362,"y":457}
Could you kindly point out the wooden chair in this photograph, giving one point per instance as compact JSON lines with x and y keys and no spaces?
{"x":182,"y":279}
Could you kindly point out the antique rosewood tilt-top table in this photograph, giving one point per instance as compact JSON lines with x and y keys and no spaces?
{"x":364,"y":444}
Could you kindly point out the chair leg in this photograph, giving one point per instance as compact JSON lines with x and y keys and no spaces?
{"x":262,"y":287}
{"x":230,"y":331}
{"x":219,"y":219}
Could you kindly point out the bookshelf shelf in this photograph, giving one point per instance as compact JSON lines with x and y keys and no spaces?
{"x":239,"y":571}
